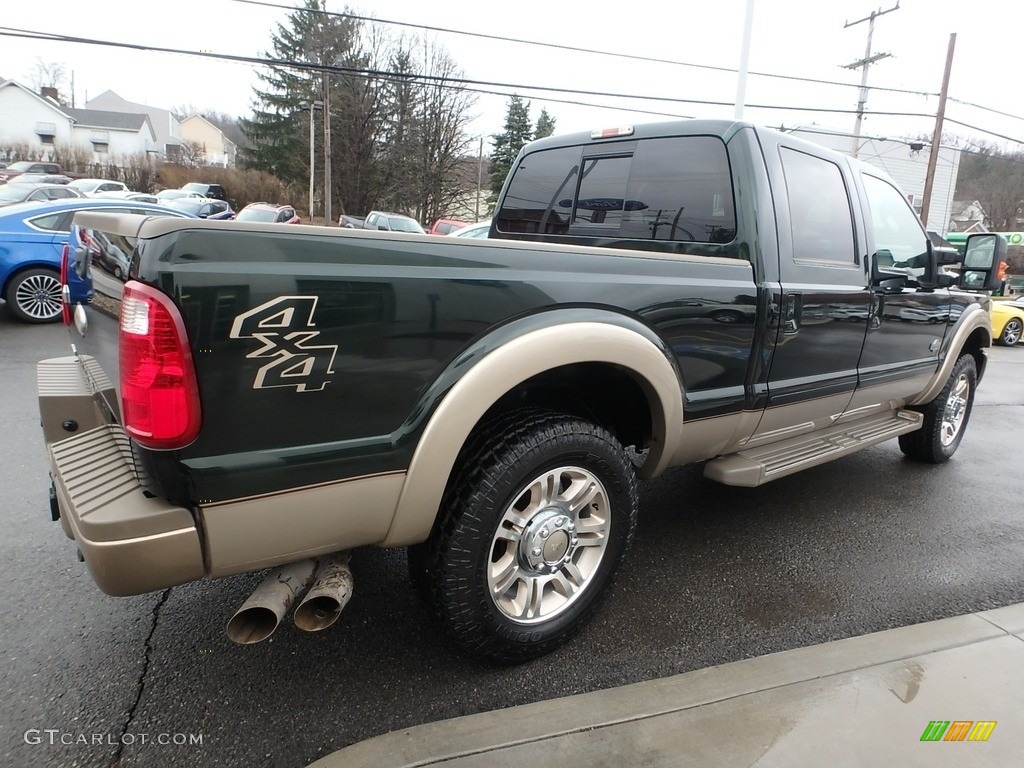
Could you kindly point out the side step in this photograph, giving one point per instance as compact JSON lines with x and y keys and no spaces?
{"x":756,"y":466}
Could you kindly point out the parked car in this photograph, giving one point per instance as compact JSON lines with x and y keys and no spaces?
{"x":204,"y":207}
{"x":383,"y":221}
{"x":279,"y":214}
{"x":29,"y":166}
{"x":1007,"y":323}
{"x":27,"y":193}
{"x":446,"y":226}
{"x":215,"y":191}
{"x":41,"y":178}
{"x":166,"y":195}
{"x":90,"y":187}
{"x":32,"y":238}
{"x":121,"y":195}
{"x":481,"y":229}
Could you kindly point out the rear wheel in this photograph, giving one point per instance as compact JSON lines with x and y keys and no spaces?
{"x":35,"y":295}
{"x":945,"y":417}
{"x":534,"y":528}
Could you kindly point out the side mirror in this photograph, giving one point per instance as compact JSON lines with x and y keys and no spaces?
{"x":883,"y":276}
{"x":982,"y":256}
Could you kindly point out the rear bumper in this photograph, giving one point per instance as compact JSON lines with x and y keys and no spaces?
{"x":132,"y":543}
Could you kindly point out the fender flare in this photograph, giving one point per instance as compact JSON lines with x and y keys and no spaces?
{"x":513,"y":361}
{"x":975,"y":317}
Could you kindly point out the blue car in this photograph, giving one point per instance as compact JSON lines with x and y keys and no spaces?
{"x":32,"y":238}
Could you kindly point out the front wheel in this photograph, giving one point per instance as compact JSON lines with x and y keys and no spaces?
{"x":535,"y":526}
{"x":1011,"y":332}
{"x":945,"y":417}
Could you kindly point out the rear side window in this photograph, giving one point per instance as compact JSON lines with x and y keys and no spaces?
{"x":819,"y":209}
{"x":676,"y":189}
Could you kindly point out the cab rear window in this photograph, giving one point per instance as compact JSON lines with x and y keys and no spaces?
{"x":676,"y":189}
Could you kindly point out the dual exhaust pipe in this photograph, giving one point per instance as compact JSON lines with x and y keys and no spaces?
{"x":331,"y":589}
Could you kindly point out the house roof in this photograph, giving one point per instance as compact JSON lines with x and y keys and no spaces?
{"x":162,"y":120}
{"x":98,"y":118}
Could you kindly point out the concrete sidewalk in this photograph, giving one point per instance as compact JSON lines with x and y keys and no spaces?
{"x":864,"y":701}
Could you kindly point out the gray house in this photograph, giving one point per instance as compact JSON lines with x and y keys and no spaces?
{"x":165,"y":125}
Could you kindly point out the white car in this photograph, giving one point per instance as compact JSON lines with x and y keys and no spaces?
{"x":473,"y":230}
{"x":91,"y":187}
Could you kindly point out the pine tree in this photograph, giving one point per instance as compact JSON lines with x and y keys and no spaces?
{"x":278,"y":129}
{"x":517,"y":133}
{"x":545,"y":125}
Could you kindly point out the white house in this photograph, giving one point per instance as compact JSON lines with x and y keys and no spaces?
{"x":218,"y":149}
{"x":907,"y":163}
{"x":165,"y":125}
{"x":44,"y":125}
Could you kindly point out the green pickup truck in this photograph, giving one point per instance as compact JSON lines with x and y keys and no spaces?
{"x":650,"y":296}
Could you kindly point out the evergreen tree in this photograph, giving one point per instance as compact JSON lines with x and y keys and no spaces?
{"x":517,"y":133}
{"x":278,"y":129}
{"x":545,"y":125}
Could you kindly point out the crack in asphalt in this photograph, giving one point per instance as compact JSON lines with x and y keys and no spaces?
{"x":141,"y":685}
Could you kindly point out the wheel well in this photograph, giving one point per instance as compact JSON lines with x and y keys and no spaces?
{"x":975,"y":346}
{"x":600,"y":392}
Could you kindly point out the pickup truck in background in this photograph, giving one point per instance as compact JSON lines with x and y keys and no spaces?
{"x":29,"y":166}
{"x":382,"y":221}
{"x":694,"y":291}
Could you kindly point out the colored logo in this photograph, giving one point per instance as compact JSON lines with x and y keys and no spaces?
{"x":958,"y":730}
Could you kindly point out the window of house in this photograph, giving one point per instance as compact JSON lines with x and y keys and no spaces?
{"x":100,"y":148}
{"x":819,"y":208}
{"x":46,"y":139}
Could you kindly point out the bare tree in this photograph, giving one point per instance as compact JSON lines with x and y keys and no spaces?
{"x":995,"y":178}
{"x":192,"y":154}
{"x":51,"y":74}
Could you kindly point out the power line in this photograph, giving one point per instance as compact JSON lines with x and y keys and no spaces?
{"x":559,"y":46}
{"x":465,"y":84}
{"x":405,"y":77}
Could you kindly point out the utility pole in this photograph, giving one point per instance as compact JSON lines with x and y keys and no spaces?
{"x":328,"y":190}
{"x":741,"y":81}
{"x":929,"y":178}
{"x":864,"y":63}
{"x":479,"y":176}
{"x":312,"y":106}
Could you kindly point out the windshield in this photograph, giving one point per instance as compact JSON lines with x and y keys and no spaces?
{"x":190,"y":206}
{"x":257,"y":214}
{"x":194,"y":186}
{"x":22,"y":166}
{"x":401,"y":224}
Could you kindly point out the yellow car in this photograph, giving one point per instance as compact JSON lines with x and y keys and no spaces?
{"x":1007,"y":322}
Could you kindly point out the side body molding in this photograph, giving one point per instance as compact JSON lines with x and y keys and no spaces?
{"x":509,"y":364}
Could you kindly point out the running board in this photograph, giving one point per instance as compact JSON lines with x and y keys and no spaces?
{"x":756,"y":466}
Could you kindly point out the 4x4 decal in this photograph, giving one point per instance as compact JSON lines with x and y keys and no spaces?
{"x":285,"y":328}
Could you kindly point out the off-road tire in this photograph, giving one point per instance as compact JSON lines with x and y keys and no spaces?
{"x":543,"y":503}
{"x":945,"y":417}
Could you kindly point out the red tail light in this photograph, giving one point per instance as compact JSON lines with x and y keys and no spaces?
{"x":159,"y":393}
{"x":65,"y":292}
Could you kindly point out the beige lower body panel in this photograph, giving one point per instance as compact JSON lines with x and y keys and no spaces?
{"x":264,"y":531}
{"x":131,"y":543}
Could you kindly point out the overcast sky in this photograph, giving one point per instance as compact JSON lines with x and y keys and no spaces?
{"x":797,"y":38}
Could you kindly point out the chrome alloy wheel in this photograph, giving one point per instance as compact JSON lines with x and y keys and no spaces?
{"x":955,"y":410}
{"x":1012,"y":332}
{"x":39,"y":296}
{"x":548,"y":545}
